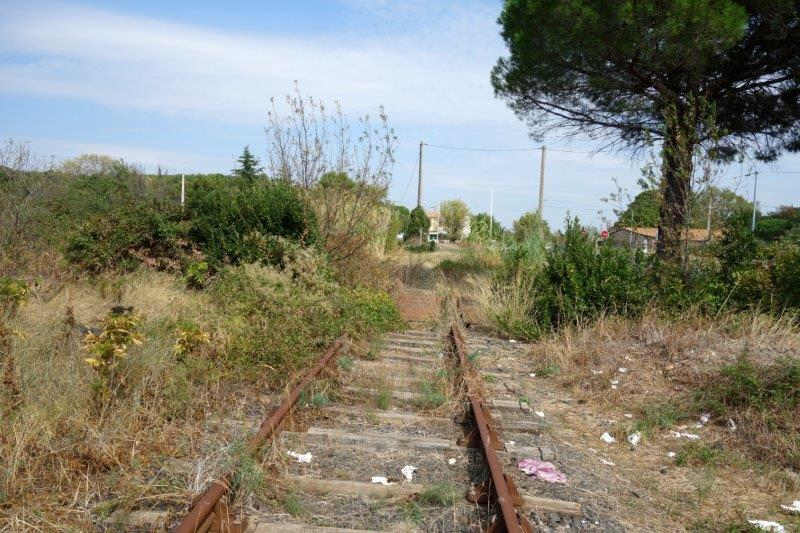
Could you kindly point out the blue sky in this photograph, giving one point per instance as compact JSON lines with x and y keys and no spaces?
{"x":185,"y":85}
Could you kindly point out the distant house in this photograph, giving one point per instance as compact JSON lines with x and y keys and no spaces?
{"x":645,"y":238}
{"x":437,"y":231}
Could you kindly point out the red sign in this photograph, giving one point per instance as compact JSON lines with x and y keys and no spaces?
{"x":604,"y":234}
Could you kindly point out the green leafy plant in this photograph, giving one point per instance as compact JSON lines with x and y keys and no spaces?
{"x":345,"y":363}
{"x":432,"y":395}
{"x":190,"y":339}
{"x":695,"y":453}
{"x":196,"y":274}
{"x":107,"y":349}
{"x":440,"y":494}
{"x":12,"y":293}
{"x":384,"y":398}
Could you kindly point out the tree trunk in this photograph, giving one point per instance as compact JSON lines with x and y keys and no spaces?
{"x":676,"y":168}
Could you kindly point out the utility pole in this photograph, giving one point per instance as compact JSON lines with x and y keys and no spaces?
{"x":541,"y":184}
{"x":491,"y":212}
{"x":419,"y":183}
{"x":755,"y":190}
{"x":708,"y":220}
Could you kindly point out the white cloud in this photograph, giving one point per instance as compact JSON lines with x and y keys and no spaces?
{"x":435,"y":73}
{"x":427,"y":62}
{"x":150,"y":158}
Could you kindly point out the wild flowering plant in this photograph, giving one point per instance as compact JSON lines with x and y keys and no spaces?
{"x":110,"y":346}
{"x":190,"y":339}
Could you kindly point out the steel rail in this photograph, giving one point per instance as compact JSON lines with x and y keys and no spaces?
{"x":204,"y":506}
{"x":512,"y":522}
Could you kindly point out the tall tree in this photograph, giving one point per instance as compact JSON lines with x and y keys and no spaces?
{"x":249,"y":168}
{"x":483,"y":227}
{"x":454,"y":215}
{"x":418,"y":225}
{"x":530,"y":224}
{"x":686,"y":73}
{"x":643,"y":210}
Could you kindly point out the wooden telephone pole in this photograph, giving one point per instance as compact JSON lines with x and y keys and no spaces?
{"x":419,"y":183}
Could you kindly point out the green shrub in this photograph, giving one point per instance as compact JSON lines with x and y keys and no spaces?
{"x":418,"y":224}
{"x":746,"y":385}
{"x":580,"y":282}
{"x":237,"y":221}
{"x":304,"y":303}
{"x":12,"y":293}
{"x":120,"y":239}
{"x":429,"y":246}
{"x":695,"y":453}
{"x":196,"y":274}
{"x":786,"y":273}
{"x":772,"y":228}
{"x":659,"y":416}
{"x":440,"y":494}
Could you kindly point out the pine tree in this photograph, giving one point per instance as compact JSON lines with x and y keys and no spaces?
{"x":686,"y":73}
{"x":249,"y":168}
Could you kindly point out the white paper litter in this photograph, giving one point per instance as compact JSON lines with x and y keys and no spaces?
{"x":766,"y":525}
{"x":408,"y":472}
{"x":381,"y":480}
{"x":671,"y":454}
{"x":606,"y":462}
{"x":794,"y":508}
{"x":532,"y":374}
{"x":622,"y":370}
{"x":635,"y":438}
{"x":615,"y":382}
{"x":679,"y":434}
{"x":628,"y":415}
{"x":731,"y":424}
{"x":451,"y":461}
{"x":512,"y":341}
{"x":607,"y":438}
{"x":597,"y":372}
{"x":301,"y":457}
{"x":540,"y":414}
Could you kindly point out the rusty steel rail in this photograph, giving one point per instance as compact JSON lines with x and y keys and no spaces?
{"x":197,"y":518}
{"x":506,"y":493}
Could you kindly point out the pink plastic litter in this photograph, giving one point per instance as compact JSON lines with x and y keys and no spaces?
{"x":544,"y":470}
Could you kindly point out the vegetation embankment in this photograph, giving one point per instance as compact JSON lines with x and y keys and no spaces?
{"x":129,"y":321}
{"x":667,"y":344}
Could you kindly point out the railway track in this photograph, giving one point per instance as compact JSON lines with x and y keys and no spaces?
{"x":410,"y":442}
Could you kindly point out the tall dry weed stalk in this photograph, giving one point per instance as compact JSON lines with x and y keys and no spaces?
{"x":345,"y":174}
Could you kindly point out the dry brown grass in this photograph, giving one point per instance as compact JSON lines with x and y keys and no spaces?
{"x":721,"y":478}
{"x":64,"y":463}
{"x":665,"y":353}
{"x":164,"y":431}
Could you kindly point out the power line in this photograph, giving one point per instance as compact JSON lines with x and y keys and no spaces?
{"x":473,"y":149}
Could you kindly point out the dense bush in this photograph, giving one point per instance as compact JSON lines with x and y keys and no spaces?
{"x":578,"y":279}
{"x":580,"y":282}
{"x":418,"y":224}
{"x":122,"y":238}
{"x":233,"y":220}
{"x":304,"y":303}
{"x":227,"y":219}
